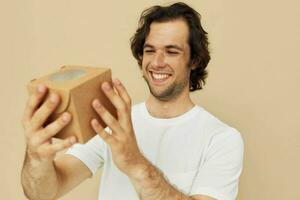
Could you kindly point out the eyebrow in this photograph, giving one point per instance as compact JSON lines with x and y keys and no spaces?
{"x":171,"y":46}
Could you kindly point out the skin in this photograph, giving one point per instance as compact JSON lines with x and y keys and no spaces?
{"x":161,"y":56}
{"x":41,"y":170}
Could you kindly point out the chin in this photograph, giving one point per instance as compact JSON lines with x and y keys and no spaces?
{"x":163,"y":95}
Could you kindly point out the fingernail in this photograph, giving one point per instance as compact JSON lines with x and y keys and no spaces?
{"x":117,"y":81}
{"x":41,"y":88}
{"x":97,"y":104}
{"x":106,"y":86}
{"x":73,"y":140}
{"x":66,"y":117}
{"x":95,"y":122}
{"x":53,"y":98}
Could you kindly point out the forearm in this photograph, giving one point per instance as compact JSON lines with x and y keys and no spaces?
{"x":151,"y":185}
{"x":39,"y":179}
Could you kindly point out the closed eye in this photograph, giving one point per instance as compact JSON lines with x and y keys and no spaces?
{"x":172,"y":52}
{"x":148,"y":51}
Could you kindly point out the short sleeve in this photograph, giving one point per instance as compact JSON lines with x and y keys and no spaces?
{"x":218,"y":176}
{"x":92,"y":153}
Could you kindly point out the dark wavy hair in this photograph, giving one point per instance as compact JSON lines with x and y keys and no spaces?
{"x":198,"y":41}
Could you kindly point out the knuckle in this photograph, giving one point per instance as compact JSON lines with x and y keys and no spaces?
{"x":103,"y":112}
{"x":52,"y":101}
{"x":53,"y":128}
{"x":50,"y":105}
{"x":28,"y":130}
{"x":47,"y":131}
{"x":66,"y":143}
{"x":123,"y":107}
{"x":27,"y":135}
{"x":113,"y":122}
{"x":62,"y":145}
{"x":31,"y":104}
{"x":33,"y":141}
{"x":33,"y":100}
{"x":128,"y":102}
{"x":36,"y":120}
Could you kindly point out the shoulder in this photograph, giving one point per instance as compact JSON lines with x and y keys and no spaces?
{"x":217,"y":131}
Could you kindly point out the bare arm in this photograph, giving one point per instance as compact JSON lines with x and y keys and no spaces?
{"x":71,"y":172}
{"x":37,"y":177}
{"x":150,"y":184}
{"x":42,"y":176}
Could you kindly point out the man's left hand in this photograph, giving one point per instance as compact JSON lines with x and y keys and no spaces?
{"x":122,"y":141}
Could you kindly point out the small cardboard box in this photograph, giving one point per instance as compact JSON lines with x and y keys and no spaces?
{"x":77,"y":86}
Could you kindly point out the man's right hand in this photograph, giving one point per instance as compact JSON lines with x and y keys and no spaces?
{"x":38,"y":138}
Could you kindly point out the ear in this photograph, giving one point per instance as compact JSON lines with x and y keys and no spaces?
{"x":193,"y":65}
{"x":141,"y":56}
{"x":140,"y":61}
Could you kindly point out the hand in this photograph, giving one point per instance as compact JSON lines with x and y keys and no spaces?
{"x":122,"y":141}
{"x":38,"y":138}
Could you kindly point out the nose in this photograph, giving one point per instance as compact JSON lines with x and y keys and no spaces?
{"x":159,"y":59}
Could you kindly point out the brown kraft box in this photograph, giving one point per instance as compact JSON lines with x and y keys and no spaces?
{"x":77,"y":86}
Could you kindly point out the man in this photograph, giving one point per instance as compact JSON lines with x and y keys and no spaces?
{"x":165,"y":148}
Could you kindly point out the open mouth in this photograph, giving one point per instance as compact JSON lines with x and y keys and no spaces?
{"x":159,"y":78}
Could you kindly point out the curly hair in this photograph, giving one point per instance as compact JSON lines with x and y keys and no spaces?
{"x":197,"y":40}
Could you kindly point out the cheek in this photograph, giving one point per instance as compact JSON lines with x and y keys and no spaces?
{"x":145,"y":61}
{"x":143,"y":65}
{"x":182,"y":68}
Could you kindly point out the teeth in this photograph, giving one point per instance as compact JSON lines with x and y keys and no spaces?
{"x":160,"y":76}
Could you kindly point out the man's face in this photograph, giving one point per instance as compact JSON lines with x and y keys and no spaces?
{"x":166,"y":57}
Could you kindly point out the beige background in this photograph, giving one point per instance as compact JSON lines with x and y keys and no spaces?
{"x":253,"y":79}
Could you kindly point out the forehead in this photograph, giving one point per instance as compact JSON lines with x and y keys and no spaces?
{"x":173,"y":32}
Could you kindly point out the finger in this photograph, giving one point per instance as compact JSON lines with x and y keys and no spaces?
{"x":107,"y":118}
{"x":61,"y":145}
{"x":42,"y":114}
{"x":33,"y":102}
{"x":117,"y":101}
{"x":122,"y":92}
{"x":100,"y":130}
{"x":53,"y":128}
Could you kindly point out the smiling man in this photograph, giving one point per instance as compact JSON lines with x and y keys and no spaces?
{"x":165,"y":148}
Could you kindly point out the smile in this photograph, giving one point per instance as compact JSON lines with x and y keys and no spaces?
{"x":159,"y":78}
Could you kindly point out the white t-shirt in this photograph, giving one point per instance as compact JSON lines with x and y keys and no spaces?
{"x":196,"y":152}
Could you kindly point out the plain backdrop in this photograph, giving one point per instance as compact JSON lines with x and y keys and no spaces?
{"x":253,"y":82}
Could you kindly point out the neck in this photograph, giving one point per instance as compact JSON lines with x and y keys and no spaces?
{"x":169,"y":108}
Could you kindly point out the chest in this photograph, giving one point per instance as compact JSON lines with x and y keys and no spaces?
{"x":177,"y":151}
{"x":173,"y":149}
